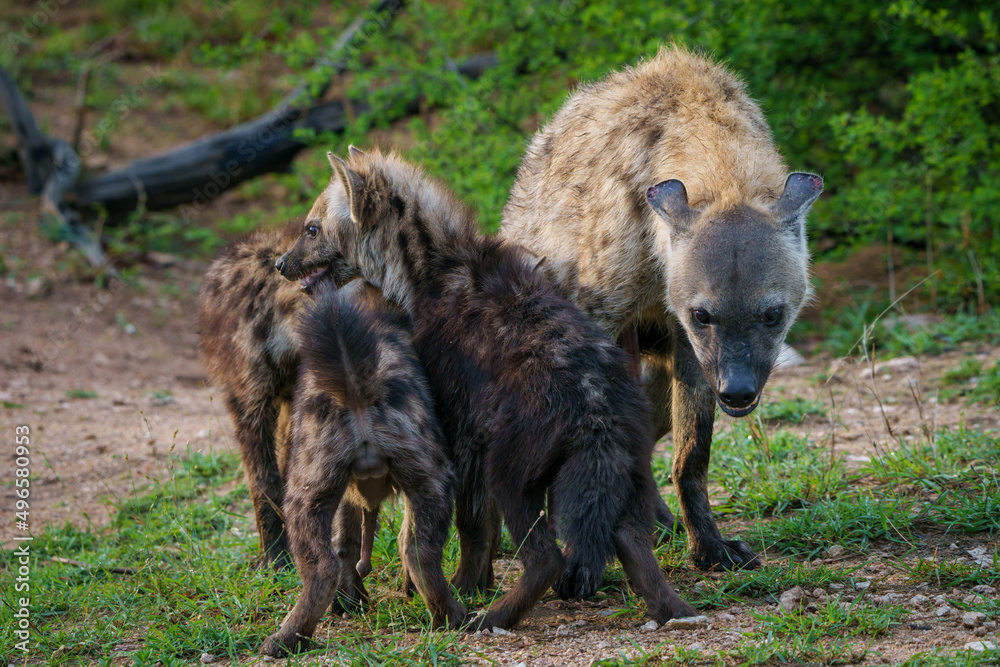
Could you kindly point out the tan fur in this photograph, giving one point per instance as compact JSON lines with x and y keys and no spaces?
{"x":581,"y":205}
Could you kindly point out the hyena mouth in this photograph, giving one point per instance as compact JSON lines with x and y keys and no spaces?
{"x":739,"y":412}
{"x":310,"y":279}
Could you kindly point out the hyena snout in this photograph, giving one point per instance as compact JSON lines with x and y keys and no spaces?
{"x":738,"y":389}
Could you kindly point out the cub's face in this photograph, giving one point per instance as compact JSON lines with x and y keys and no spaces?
{"x":736,"y":282}
{"x":319,"y":250}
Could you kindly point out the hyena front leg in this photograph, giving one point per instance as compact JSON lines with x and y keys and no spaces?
{"x":476,"y":524}
{"x":657,"y":371}
{"x":309,"y":513}
{"x":256,"y":420}
{"x":693,"y":419}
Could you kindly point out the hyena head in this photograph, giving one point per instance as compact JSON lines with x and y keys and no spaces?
{"x":736,"y":281}
{"x":319,"y":250}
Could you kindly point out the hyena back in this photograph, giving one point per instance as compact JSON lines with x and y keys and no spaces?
{"x":664,"y":211}
{"x":247,"y":321}
{"x":532,"y":397}
{"x":363,"y":425}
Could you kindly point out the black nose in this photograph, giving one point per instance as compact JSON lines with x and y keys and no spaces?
{"x":738,"y":392}
{"x":280,"y":265}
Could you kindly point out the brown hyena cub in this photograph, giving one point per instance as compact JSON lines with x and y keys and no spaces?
{"x":247,"y":319}
{"x":363,"y":425}
{"x":532,"y":397}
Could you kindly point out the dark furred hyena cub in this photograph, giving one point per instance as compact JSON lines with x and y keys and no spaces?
{"x":363,"y":425}
{"x":247,"y":319}
{"x":530,"y":394}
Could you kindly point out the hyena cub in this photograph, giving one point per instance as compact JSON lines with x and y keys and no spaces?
{"x":531,"y":395}
{"x":363,"y":425}
{"x":247,"y":319}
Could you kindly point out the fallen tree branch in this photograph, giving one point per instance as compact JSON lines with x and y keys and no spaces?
{"x":199,"y":172}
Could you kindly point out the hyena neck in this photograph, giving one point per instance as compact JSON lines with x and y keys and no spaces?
{"x":404,"y":257}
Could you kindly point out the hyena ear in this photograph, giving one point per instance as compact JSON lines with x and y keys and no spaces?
{"x":354,"y":151}
{"x":801,"y":190}
{"x":670,"y":200}
{"x":352,"y":183}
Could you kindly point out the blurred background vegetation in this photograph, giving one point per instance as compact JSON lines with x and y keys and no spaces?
{"x":895,"y":103}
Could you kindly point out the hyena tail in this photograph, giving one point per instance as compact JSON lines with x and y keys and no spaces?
{"x":591,"y":490}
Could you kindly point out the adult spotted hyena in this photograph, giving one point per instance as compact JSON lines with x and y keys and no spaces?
{"x":663,"y":210}
{"x":531,"y":395}
{"x":363,"y":426}
{"x":247,"y":320}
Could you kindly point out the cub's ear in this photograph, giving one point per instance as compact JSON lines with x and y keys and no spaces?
{"x":670,"y":200}
{"x":354,"y":151}
{"x":801,"y":190}
{"x":353,"y":185}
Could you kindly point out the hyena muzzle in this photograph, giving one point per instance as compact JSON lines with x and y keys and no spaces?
{"x":363,"y":426}
{"x":534,"y":400}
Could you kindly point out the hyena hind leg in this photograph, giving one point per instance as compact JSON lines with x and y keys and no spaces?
{"x":352,"y":596}
{"x":256,"y":420}
{"x":310,"y":512}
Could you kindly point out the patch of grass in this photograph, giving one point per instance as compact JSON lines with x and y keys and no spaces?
{"x":949,"y":460}
{"x":793,"y":410}
{"x":793,"y":650}
{"x":947,"y":573}
{"x":769,"y":473}
{"x":853,"y":522}
{"x":764,"y":582}
{"x":80,"y":394}
{"x":12,"y":406}
{"x":833,"y":620}
{"x":987,"y":389}
{"x":952,"y":658}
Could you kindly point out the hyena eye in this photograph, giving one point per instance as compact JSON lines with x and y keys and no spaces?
{"x":701,"y":317}
{"x":312,"y":231}
{"x":771,"y":317}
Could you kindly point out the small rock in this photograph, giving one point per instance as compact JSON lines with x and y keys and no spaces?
{"x":990,"y":625}
{"x":952,"y":546}
{"x":983,"y":589}
{"x":697,"y":646}
{"x":835,"y":551}
{"x":37,"y":288}
{"x":862,"y":585}
{"x":604,"y":643}
{"x":521,"y":664}
{"x":972,"y":619}
{"x":207,"y":658}
{"x":564,"y":631}
{"x":649,"y":626}
{"x":726,"y":617}
{"x":500,"y":632}
{"x":579,"y":623}
{"x":267,"y":658}
{"x":836,"y":587}
{"x":980,"y":646}
{"x":919,"y":600}
{"x":942,"y":611}
{"x":689,"y":623}
{"x":791,"y":600}
{"x":980,"y":631}
{"x":819,"y":594}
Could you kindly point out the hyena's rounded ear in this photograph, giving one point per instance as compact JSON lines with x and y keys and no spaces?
{"x":354,"y":151}
{"x":801,"y":190}
{"x":670,"y":200}
{"x":353,"y":184}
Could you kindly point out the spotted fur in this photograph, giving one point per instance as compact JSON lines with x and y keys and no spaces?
{"x":657,"y":196}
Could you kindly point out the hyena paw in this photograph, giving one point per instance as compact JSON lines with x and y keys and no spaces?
{"x":725,"y":555}
{"x":579,"y":581}
{"x":277,"y":646}
{"x":468,"y":581}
